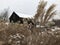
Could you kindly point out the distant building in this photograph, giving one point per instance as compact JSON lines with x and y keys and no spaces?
{"x":15,"y":18}
{"x":57,"y":22}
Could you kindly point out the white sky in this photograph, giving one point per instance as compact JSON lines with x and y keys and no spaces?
{"x":26,"y":6}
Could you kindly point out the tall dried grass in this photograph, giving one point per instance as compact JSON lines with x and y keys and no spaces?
{"x":43,"y":15}
{"x":19,"y":34}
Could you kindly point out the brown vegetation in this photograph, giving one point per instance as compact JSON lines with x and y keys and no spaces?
{"x":26,"y":34}
{"x":44,"y":15}
{"x":19,"y":34}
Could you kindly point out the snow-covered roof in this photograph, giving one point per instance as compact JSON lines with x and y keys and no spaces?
{"x":22,"y":15}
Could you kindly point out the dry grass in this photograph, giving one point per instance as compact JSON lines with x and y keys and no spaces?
{"x":43,"y":15}
{"x":19,"y":34}
{"x":23,"y":34}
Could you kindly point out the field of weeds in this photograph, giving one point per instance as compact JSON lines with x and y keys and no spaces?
{"x":20,"y":34}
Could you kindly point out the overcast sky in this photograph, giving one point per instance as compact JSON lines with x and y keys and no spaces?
{"x":25,"y":6}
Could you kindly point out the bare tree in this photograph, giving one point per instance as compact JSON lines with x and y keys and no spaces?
{"x":4,"y":15}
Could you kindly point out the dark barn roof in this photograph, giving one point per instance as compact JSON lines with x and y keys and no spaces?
{"x":15,"y":18}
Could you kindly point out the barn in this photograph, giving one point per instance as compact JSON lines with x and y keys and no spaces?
{"x":15,"y":18}
{"x":20,"y":18}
